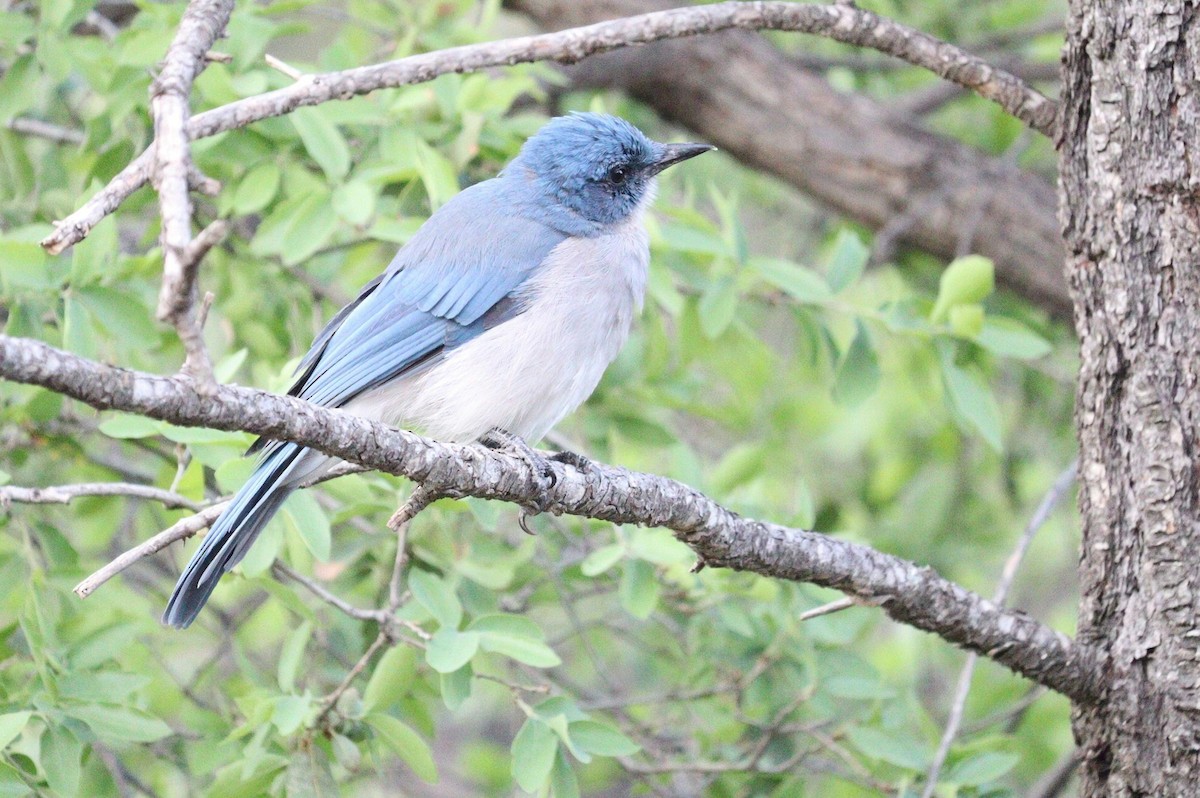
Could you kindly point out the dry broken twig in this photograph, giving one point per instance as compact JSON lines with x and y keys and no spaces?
{"x":916,"y":596}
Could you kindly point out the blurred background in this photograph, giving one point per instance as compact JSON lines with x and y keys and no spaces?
{"x":822,"y":347}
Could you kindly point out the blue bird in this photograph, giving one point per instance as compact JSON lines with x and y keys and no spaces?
{"x":498,"y":317}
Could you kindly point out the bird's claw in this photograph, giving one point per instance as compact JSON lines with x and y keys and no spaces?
{"x":573,"y":459}
{"x":503,"y":441}
{"x":500,"y":440}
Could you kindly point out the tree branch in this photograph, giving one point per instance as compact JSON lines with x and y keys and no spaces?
{"x":908,"y":593}
{"x":174,"y":173}
{"x":855,"y":155}
{"x":844,"y":23}
{"x":65,"y":494}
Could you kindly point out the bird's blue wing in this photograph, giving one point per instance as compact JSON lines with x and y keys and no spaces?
{"x":450,"y":282}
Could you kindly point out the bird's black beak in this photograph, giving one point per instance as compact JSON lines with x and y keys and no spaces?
{"x":674,"y":153}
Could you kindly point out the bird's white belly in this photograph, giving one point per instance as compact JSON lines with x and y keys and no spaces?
{"x":526,"y":374}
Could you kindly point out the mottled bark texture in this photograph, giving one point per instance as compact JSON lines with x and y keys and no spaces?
{"x":908,"y":593}
{"x":1132,"y":229}
{"x":853,"y":154}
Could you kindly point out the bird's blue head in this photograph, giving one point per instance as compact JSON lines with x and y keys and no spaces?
{"x":596,"y":168}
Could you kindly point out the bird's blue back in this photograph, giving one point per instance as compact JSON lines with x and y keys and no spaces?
{"x":434,"y":295}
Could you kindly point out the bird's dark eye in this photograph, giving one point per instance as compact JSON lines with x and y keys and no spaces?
{"x":617,"y":175}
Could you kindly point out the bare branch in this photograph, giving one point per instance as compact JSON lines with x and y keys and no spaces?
{"x":181,"y":530}
{"x":908,"y":593}
{"x":963,"y":688}
{"x":841,"y":22}
{"x":178,"y":531}
{"x":46,"y":130}
{"x":65,"y":494}
{"x":282,"y":569}
{"x":175,"y":174}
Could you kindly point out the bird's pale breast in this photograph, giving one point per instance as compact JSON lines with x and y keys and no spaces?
{"x":526,"y":374}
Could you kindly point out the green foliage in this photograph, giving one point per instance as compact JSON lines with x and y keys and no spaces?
{"x":905,"y":404}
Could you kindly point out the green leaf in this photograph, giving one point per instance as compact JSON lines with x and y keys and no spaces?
{"x":966,"y":280}
{"x":323,"y":141}
{"x":392,"y":678}
{"x":533,"y":751}
{"x":563,"y":782}
{"x":61,"y":754}
{"x":803,"y":285}
{"x":306,"y":519}
{"x":308,"y":773}
{"x":456,"y":687}
{"x":11,"y":725}
{"x":407,"y":744}
{"x":981,"y":768}
{"x":972,"y":402}
{"x":228,"y":366}
{"x":600,"y":560}
{"x":660,"y":547}
{"x":857,"y":687}
{"x":449,"y":650}
{"x":601,"y":739}
{"x":311,"y":227}
{"x":516,"y":637}
{"x":897,"y":750}
{"x":290,"y":712}
{"x":355,"y":202}
{"x":966,"y":320}
{"x":742,"y":463}
{"x":858,"y":375}
{"x":435,"y":595}
{"x":126,"y":425}
{"x":121,"y":724}
{"x":639,"y":589}
{"x":718,"y":306}
{"x":257,"y":188}
{"x":848,"y":260}
{"x":690,"y":239}
{"x":292,"y":654}
{"x":1009,"y":338}
{"x":24,"y":267}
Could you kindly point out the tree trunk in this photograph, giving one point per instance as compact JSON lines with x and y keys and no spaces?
{"x":1132,"y":229}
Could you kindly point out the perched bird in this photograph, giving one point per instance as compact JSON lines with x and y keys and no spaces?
{"x":497,"y":318}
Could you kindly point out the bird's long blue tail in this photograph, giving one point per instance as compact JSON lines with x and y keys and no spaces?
{"x":233,"y":533}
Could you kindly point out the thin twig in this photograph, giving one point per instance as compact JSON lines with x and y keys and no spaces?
{"x":843,"y":23}
{"x":65,"y":494}
{"x":282,"y":66}
{"x":331,"y":700}
{"x":827,"y":609}
{"x":180,"y":530}
{"x":45,"y":130}
{"x":282,"y":569}
{"x":963,"y":687}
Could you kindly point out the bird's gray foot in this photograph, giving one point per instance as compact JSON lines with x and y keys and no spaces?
{"x":573,"y":459}
{"x":501,"y":440}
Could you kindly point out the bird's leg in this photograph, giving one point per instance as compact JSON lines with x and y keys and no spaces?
{"x":501,"y":440}
{"x":573,"y":459}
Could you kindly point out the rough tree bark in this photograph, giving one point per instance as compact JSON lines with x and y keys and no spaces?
{"x":1132,"y":228}
{"x":852,"y":153}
